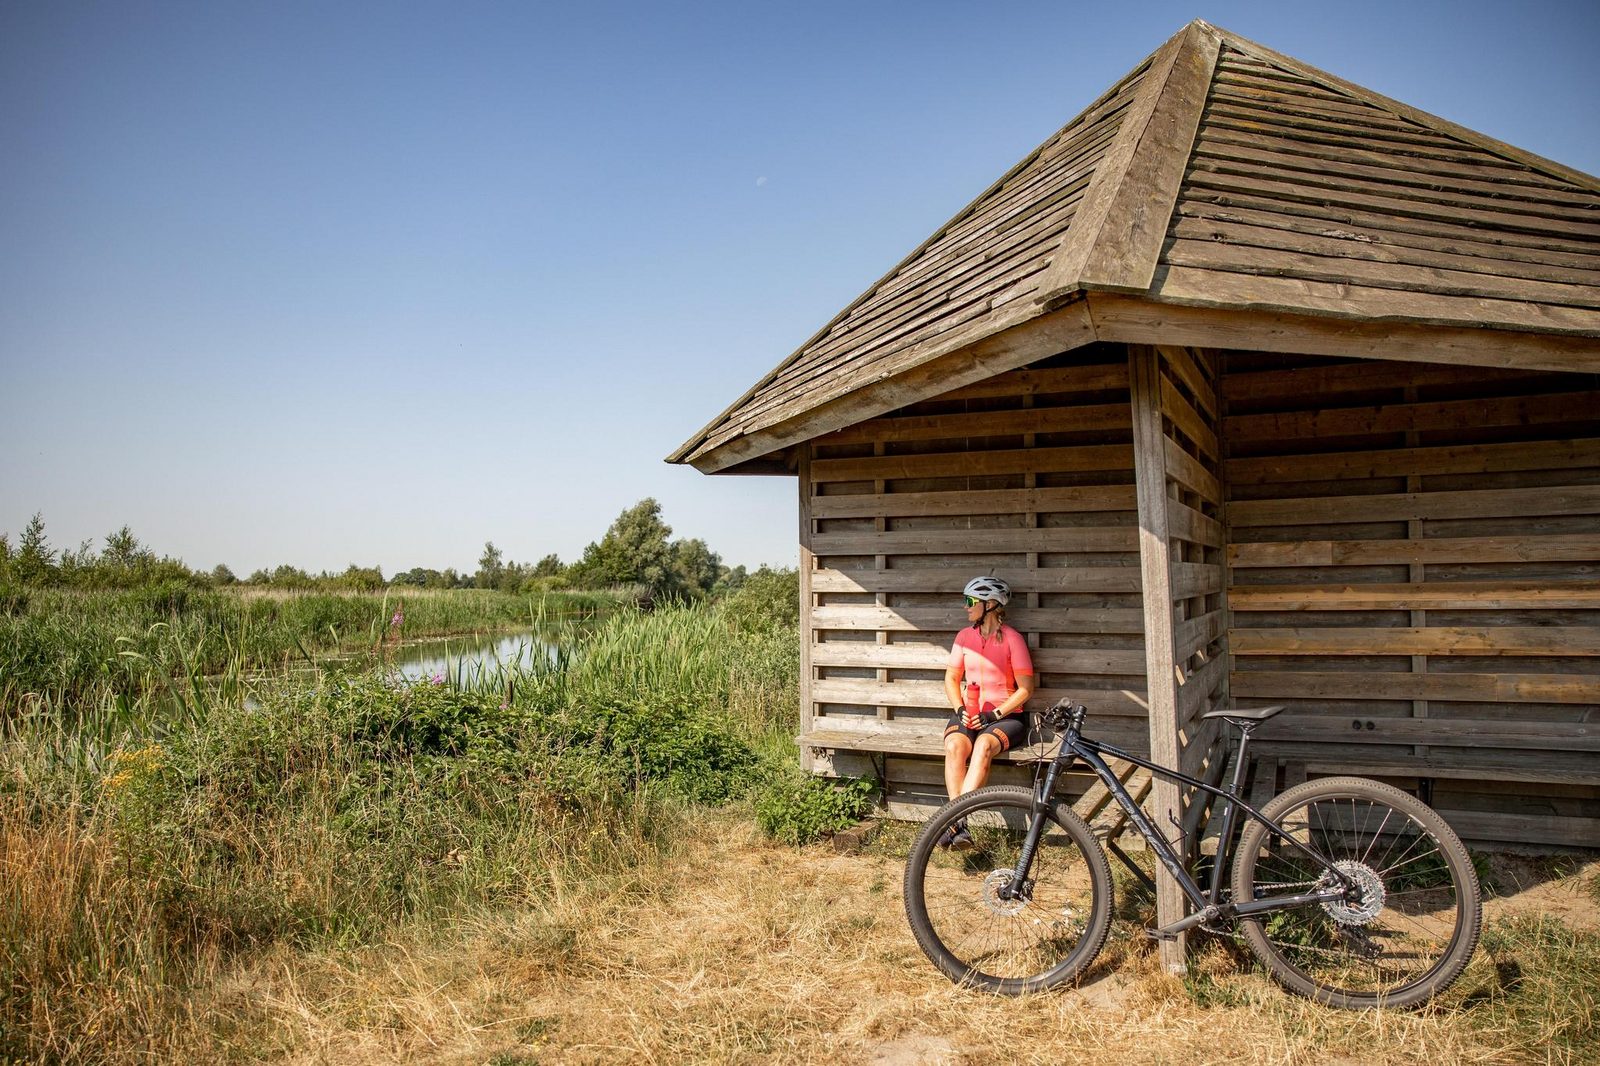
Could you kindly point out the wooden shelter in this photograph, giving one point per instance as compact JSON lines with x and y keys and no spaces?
{"x":1300,"y":397}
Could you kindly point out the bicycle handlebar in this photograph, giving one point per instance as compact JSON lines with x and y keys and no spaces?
{"x":1064,"y":714}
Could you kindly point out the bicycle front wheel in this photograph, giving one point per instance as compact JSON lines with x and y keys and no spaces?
{"x":1418,"y":916}
{"x":979,"y":925}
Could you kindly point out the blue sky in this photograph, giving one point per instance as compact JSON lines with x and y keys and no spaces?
{"x":323,"y":283}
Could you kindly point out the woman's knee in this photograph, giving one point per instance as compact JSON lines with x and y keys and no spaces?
{"x":957,"y":745}
{"x":987,"y":747}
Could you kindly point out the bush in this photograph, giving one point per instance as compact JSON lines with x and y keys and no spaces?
{"x":796,"y":808}
{"x":765,"y":600}
{"x":692,"y":752}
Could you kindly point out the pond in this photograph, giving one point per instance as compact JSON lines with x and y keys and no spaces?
{"x":470,"y":658}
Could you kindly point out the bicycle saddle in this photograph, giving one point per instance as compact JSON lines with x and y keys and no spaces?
{"x":1246,"y":714}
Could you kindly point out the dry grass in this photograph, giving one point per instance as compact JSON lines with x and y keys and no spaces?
{"x":735,"y":949}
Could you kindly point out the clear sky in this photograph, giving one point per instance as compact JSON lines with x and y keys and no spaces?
{"x":322,"y":283}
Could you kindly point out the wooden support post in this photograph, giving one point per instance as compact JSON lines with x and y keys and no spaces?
{"x":1150,"y":475}
{"x":807,"y":561}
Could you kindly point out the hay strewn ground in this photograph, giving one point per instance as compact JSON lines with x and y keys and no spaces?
{"x":733,"y":949}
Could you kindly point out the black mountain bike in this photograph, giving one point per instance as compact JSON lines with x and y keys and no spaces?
{"x":1349,"y":891}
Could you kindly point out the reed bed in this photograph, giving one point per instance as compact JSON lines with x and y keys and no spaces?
{"x":153,"y":842}
{"x":72,"y":644}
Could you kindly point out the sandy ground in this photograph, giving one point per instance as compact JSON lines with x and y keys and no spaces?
{"x":738,"y":950}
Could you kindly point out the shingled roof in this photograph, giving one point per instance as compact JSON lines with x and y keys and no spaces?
{"x":1217,"y":175}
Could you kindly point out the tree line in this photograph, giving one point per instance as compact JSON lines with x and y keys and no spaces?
{"x":637,"y":552}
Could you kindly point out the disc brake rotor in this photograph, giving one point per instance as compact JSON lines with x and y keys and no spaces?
{"x":1364,"y":909}
{"x":993,"y":887}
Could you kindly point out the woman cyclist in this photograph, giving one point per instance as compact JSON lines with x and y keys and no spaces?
{"x":988,"y":679}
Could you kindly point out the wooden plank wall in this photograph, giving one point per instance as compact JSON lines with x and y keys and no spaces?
{"x":1028,"y":476}
{"x":1414,"y":556}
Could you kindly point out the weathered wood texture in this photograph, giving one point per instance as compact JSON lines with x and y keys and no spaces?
{"x":1219,"y":178}
{"x":1303,"y":195}
{"x":1028,"y":476}
{"x":1414,"y":566}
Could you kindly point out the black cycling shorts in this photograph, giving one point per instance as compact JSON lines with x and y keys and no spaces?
{"x":1010,"y":730}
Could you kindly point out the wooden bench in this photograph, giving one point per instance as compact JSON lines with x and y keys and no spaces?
{"x":1096,"y":805}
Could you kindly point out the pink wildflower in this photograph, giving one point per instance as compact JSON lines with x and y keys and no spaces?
{"x":399,"y":617}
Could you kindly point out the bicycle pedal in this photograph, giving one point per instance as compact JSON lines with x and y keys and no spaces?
{"x":1160,"y":934}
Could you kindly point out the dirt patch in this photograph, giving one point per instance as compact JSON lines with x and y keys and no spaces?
{"x":1563,"y":887}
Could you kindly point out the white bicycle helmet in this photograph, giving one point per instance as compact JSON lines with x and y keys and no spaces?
{"x":988,"y":588}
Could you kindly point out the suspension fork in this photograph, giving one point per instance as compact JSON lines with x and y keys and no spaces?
{"x":1036,"y":824}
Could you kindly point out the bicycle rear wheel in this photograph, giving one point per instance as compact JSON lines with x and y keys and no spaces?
{"x":1416,"y":923}
{"x":976,"y":927}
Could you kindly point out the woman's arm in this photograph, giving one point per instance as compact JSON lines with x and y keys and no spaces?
{"x":952,"y":689}
{"x":1025,"y":685}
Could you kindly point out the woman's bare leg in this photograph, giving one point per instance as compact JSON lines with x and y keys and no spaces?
{"x":957,"y":750}
{"x":983,"y":754}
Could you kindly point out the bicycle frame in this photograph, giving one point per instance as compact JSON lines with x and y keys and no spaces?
{"x":1208,"y":904}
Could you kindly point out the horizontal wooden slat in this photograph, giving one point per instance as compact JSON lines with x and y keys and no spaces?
{"x":1187,"y":471}
{"x":1185,"y":523}
{"x":934,"y":657}
{"x":975,"y":502}
{"x":944,"y":620}
{"x":1188,"y":420}
{"x":976,"y":541}
{"x":1195,"y":579}
{"x":1445,"y":732}
{"x":905,"y":742}
{"x":1394,"y":507}
{"x":1123,"y":579}
{"x":929,"y":695}
{"x":1402,"y":417}
{"x":1192,"y":635}
{"x":975,"y":464}
{"x":1476,"y":764}
{"x":1057,"y":380}
{"x":1439,"y":640}
{"x":1568,"y":547}
{"x":1198,"y":687}
{"x":1537,"y":829}
{"x":1181,"y":362}
{"x":1438,"y":596}
{"x":1511,"y":688}
{"x":1401,"y":462}
{"x":985,"y":424}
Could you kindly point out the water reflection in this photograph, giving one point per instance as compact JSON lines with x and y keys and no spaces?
{"x":469,"y":659}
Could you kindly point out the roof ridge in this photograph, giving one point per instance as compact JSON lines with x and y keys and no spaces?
{"x":1414,"y":114}
{"x":1115,"y":240}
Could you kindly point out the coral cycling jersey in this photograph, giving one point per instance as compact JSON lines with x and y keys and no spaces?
{"x":991,"y":663}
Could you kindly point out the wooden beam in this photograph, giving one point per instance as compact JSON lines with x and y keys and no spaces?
{"x":1403,"y":462}
{"x":1074,"y":500}
{"x":1488,"y":688}
{"x":808,"y":600}
{"x":1150,"y":449}
{"x":1122,"y":579}
{"x":1429,"y":640}
{"x":1404,"y":506}
{"x":1438,"y":596}
{"x":1144,"y":321}
{"x":1116,"y":237}
{"x":964,"y":356}
{"x":1562,"y":547}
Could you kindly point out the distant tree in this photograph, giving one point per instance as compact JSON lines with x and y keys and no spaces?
{"x":262,"y":576}
{"x":634,"y":551}
{"x":363,"y":578}
{"x":221,"y":575}
{"x":35,"y":561}
{"x":289,"y":577}
{"x":696,"y":567}
{"x":549,"y":566}
{"x":491,"y":568}
{"x":123,"y":549}
{"x":767,"y":599}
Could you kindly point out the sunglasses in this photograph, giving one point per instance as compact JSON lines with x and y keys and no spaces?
{"x":973,"y":601}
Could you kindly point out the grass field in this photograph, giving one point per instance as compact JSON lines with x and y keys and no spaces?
{"x":563,"y":864}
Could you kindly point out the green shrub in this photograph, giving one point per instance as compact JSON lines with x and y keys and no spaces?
{"x":796,"y":808}
{"x":692,"y":751}
{"x":765,"y":600}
